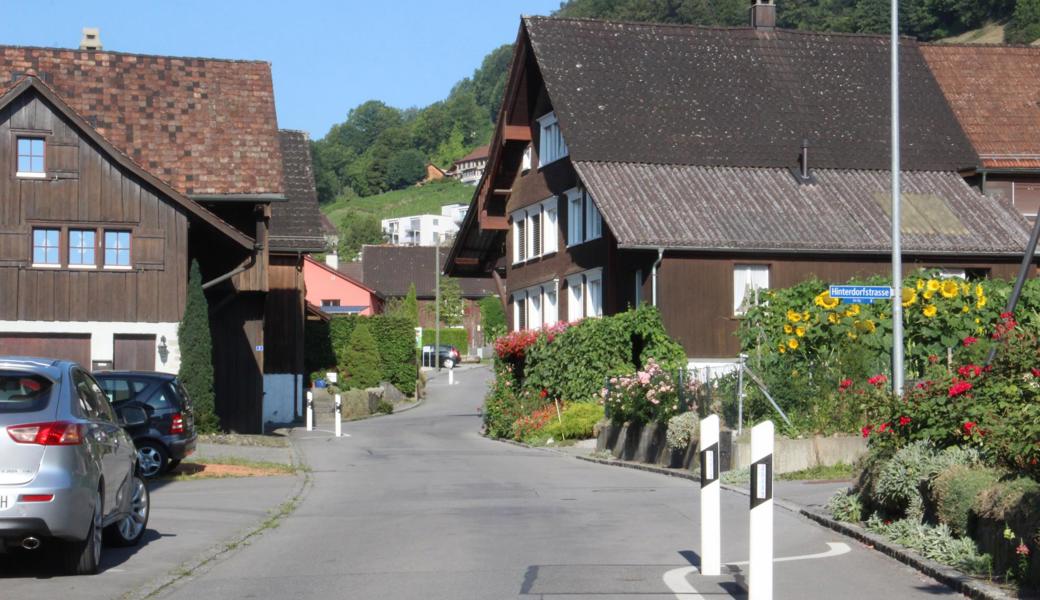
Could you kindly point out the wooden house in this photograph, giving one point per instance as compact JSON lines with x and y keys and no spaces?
{"x":691,"y":166}
{"x":119,"y":169}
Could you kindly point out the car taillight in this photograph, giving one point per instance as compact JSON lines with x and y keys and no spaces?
{"x":58,"y":433}
{"x":36,"y":497}
{"x":178,"y":423}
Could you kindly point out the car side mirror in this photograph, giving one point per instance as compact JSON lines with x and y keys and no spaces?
{"x":131,"y":416}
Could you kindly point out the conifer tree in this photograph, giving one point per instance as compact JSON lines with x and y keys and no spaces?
{"x":410,"y":308}
{"x":196,"y":345}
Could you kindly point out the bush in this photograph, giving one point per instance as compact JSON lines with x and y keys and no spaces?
{"x":361,"y":360}
{"x":451,"y":337}
{"x":935,"y":543}
{"x":682,"y":430}
{"x":846,"y":506}
{"x":502,"y":406}
{"x":196,"y":344}
{"x":492,"y":318}
{"x":897,"y":489}
{"x":956,"y":489}
{"x":385,"y":407}
{"x":578,"y":422}
{"x":327,"y":344}
{"x":652,"y":394}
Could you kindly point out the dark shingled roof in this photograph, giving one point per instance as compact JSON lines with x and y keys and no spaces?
{"x":296,"y":223}
{"x":747,"y":209}
{"x":390,"y":270}
{"x":669,"y":94}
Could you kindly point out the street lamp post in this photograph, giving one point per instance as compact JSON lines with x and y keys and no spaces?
{"x":437,"y":299}
{"x":897,"y":257}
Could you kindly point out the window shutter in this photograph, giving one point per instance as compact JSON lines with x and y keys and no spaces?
{"x":536,"y":232}
{"x":522,"y":238}
{"x":574,"y":219}
{"x":551,"y":233}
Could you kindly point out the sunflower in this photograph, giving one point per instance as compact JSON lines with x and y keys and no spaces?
{"x":792,"y":344}
{"x":788,"y":328}
{"x":869,"y":326}
{"x":929,"y":311}
{"x":979,"y":291}
{"x":965,"y":288}
{"x":852,"y":335}
{"x":920,"y":284}
{"x":852,"y":311}
{"x":805,"y":316}
{"x":799,"y":331}
{"x":793,"y":316}
{"x":909,"y":296}
{"x":965,"y":308}
{"x":825,"y":300}
{"x":981,"y":302}
{"x":933,"y":285}
{"x":949,"y":289}
{"x":783,"y":349}
{"x":927,"y":295}
{"x":833,"y":318}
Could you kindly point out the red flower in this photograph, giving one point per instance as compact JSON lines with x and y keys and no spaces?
{"x":544,"y":393}
{"x":1022,"y":550}
{"x":1036,"y":372}
{"x":847,"y":383}
{"x":904,"y":421}
{"x":1006,"y":315}
{"x":877,"y":380}
{"x":866,"y":430}
{"x":959,"y":387}
{"x":969,"y":426}
{"x":969,"y":371}
{"x":933,"y":358}
{"x":884,"y":427}
{"x":969,"y":341}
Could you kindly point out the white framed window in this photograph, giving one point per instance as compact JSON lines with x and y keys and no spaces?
{"x":575,"y":298}
{"x":525,"y":160}
{"x":551,"y":308}
{"x":638,"y":295}
{"x":550,"y":231}
{"x":519,"y":237}
{"x":534,"y":308}
{"x":551,"y":146}
{"x":958,"y":273}
{"x":575,"y":217}
{"x":748,"y":281}
{"x":594,"y":293}
{"x":31,"y":157}
{"x":593,"y":220}
{"x":534,"y":235}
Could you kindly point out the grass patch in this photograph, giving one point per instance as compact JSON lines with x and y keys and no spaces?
{"x":840,"y":472}
{"x":427,"y":199}
{"x":239,"y":439}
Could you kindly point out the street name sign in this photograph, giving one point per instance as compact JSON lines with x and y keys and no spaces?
{"x":861,"y":294}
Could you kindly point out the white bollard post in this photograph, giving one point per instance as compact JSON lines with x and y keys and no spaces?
{"x":711,"y":515}
{"x":310,"y":411}
{"x":339,"y":424}
{"x":760,"y":567}
{"x":451,"y":375}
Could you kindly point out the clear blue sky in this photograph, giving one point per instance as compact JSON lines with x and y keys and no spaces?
{"x":327,"y":56}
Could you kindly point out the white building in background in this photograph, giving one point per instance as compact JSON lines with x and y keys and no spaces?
{"x":455,"y":212}
{"x":419,"y":230}
{"x":470,"y":168}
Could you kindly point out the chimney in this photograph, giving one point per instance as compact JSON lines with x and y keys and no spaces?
{"x":332,"y":260}
{"x":763,"y":15}
{"x":91,"y":39}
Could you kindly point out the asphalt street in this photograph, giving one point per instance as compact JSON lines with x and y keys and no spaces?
{"x":419,"y":505}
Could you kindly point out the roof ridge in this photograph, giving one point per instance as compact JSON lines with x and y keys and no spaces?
{"x":140,"y":54}
{"x":1000,"y":45}
{"x":764,"y":168}
{"x":724,"y":28}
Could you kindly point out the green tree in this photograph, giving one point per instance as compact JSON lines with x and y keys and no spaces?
{"x":357,"y":229}
{"x":1024,"y":27}
{"x":361,"y":359}
{"x":405,"y":168}
{"x":405,"y":308}
{"x":196,"y":344}
{"x":492,"y":318}
{"x":452,"y":306}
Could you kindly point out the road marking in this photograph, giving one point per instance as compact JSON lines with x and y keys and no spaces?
{"x":680,"y":586}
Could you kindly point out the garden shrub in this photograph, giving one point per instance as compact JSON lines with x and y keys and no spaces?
{"x":682,"y":430}
{"x":651,"y":394}
{"x":956,"y":489}
{"x":935,"y":543}
{"x":897,"y":489}
{"x":502,"y":405}
{"x":845,"y":506}
{"x":449,"y":337}
{"x":528,"y":426}
{"x":578,"y":422}
{"x":327,"y":344}
{"x":361,"y":360}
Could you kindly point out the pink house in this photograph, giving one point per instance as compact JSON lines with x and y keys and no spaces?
{"x":336,"y":293}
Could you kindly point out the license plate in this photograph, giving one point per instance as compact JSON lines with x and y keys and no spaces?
{"x":6,"y":502}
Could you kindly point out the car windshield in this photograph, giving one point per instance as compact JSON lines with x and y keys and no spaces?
{"x":23,"y":392}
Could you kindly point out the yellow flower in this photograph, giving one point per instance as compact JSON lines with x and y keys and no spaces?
{"x":825,"y":300}
{"x":920,"y":284}
{"x":783,"y":349}
{"x":799,"y":331}
{"x":977,"y":320}
{"x":965,"y":288}
{"x":852,"y":311}
{"x":949,"y":289}
{"x":833,"y":318}
{"x":852,"y":335}
{"x":805,"y":316}
{"x":928,"y":294}
{"x":788,"y":328}
{"x":933,"y":285}
{"x":965,"y":308}
{"x":793,"y":316}
{"x":929,"y":311}
{"x":870,"y":326}
{"x":909,"y":297}
{"x":980,"y":330}
{"x":792,"y":344}
{"x":981,"y":302}
{"x":979,"y":291}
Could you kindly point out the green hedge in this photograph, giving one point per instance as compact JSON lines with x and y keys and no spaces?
{"x":327,"y":343}
{"x":574,"y":365}
{"x":450,"y":337}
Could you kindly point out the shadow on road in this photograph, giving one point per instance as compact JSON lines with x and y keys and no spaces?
{"x":43,"y":563}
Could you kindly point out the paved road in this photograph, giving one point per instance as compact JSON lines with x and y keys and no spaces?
{"x":418,"y":505}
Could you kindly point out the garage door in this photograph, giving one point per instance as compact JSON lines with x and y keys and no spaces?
{"x":134,"y":352}
{"x":43,"y":345}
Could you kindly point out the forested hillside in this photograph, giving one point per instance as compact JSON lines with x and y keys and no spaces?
{"x":381,"y":148}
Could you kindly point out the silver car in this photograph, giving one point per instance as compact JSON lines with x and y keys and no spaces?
{"x":68,"y":470}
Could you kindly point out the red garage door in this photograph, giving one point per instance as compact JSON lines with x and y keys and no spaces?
{"x":43,"y":345}
{"x":134,"y":352}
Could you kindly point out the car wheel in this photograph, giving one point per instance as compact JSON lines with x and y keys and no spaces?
{"x":84,"y":557}
{"x":152,"y":459}
{"x":129,"y":530}
{"x":449,"y":363}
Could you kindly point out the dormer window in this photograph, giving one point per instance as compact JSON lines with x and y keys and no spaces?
{"x":31,"y":157}
{"x":551,"y":146}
